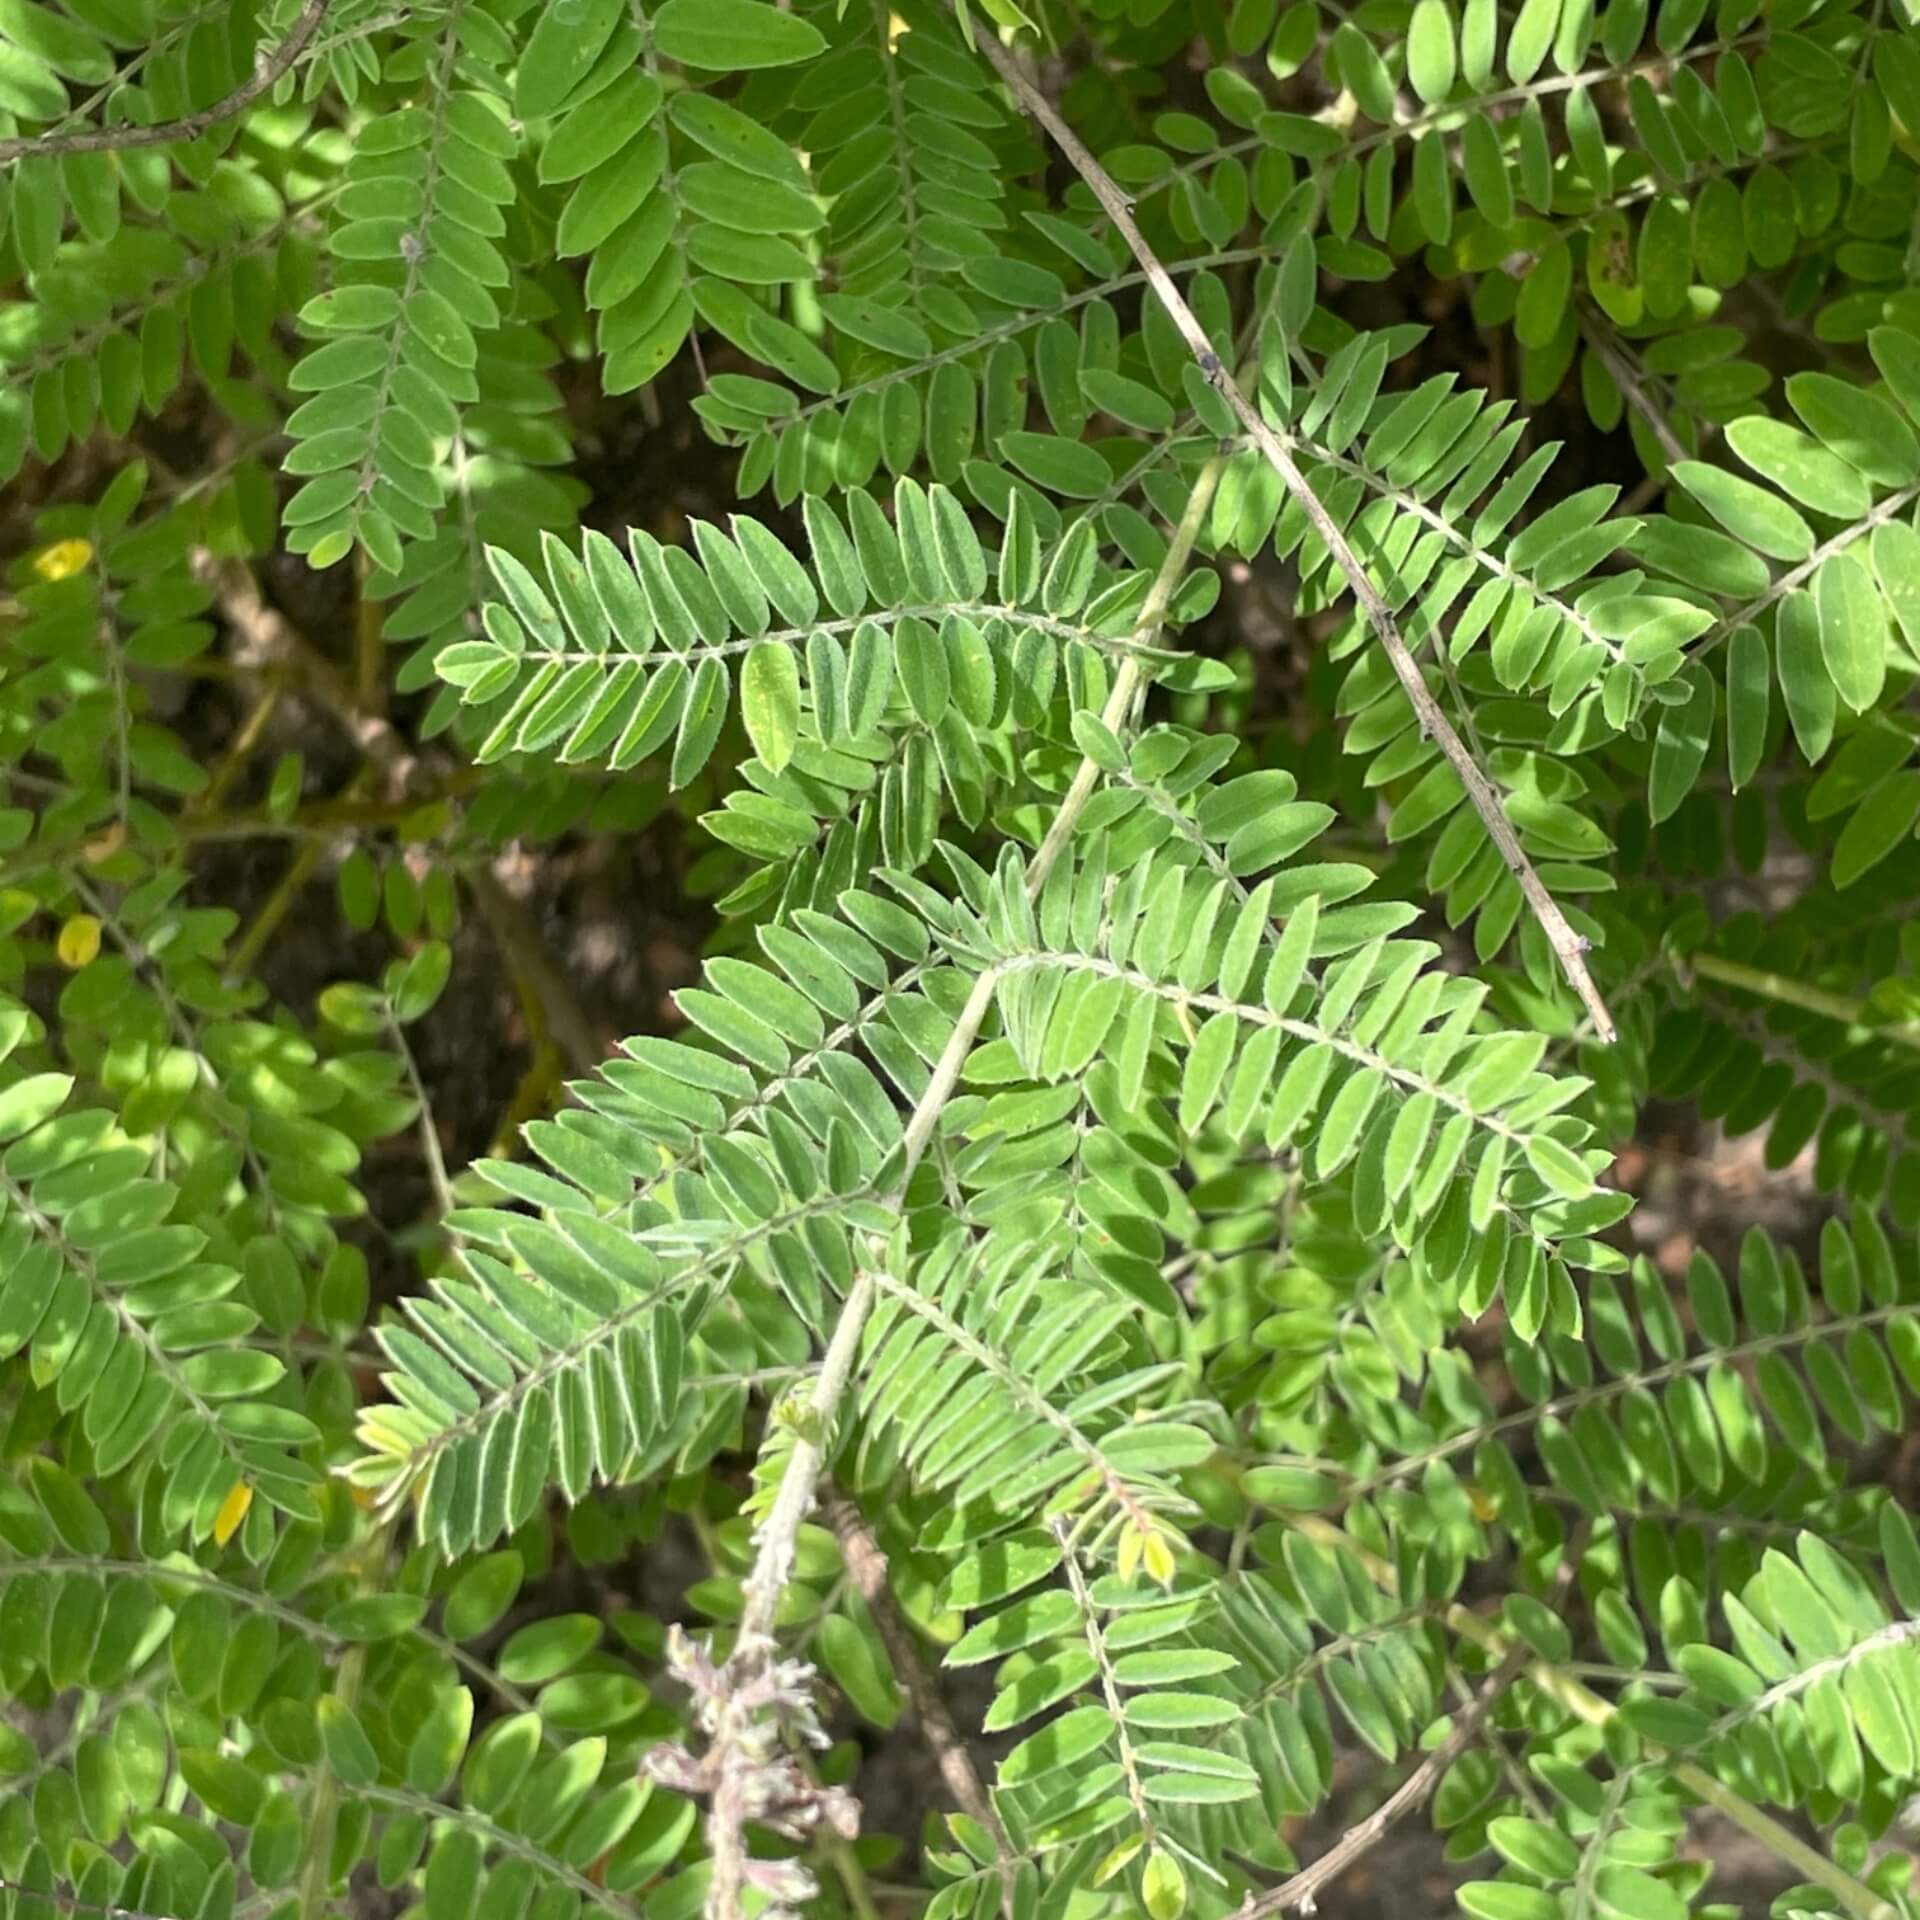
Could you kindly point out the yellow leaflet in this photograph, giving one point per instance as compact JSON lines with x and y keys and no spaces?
{"x":233,"y":1509}
{"x":63,"y":559}
{"x":1159,"y":1559}
{"x":79,"y":941}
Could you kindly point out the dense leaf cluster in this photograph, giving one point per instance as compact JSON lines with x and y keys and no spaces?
{"x":1134,"y":1156}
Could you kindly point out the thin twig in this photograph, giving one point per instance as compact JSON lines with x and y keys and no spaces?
{"x":24,"y":1895}
{"x":1302,"y":1889}
{"x":443,"y":1193}
{"x":315,"y":1878}
{"x":369,"y":643}
{"x":1633,"y":387}
{"x":330,"y":817}
{"x":1515,"y":1774}
{"x":1096,"y":1640}
{"x":540,"y":982}
{"x":1575,"y":1697}
{"x":239,"y":750}
{"x":1127,"y":681}
{"x":273,"y":635}
{"x":538,"y":1086}
{"x":267,"y":69}
{"x":846,"y":1863}
{"x":275,"y":638}
{"x":754,"y":1645}
{"x":867,"y":1566}
{"x":1569,"y":946}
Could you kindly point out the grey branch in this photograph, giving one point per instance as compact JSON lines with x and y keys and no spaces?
{"x":1568,"y":946}
{"x":867,"y":1567}
{"x":1633,"y":388}
{"x":1300,"y":1891}
{"x":267,"y":69}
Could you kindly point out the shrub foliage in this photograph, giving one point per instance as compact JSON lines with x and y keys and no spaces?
{"x":1119,"y":1263}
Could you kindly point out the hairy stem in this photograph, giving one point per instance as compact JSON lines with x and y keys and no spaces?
{"x":773,"y":1558}
{"x":867,"y":1566}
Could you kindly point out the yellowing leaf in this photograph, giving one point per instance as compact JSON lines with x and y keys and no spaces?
{"x":63,"y":559}
{"x":1159,"y":1559}
{"x":1118,"y":1858}
{"x":233,"y":1509}
{"x":79,"y":941}
{"x":1163,"y":1887}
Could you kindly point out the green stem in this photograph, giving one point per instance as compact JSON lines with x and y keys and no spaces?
{"x":430,"y":1147}
{"x":316,"y":1865}
{"x":316,"y":1868}
{"x":1790,"y":992}
{"x":853,"y":1877}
